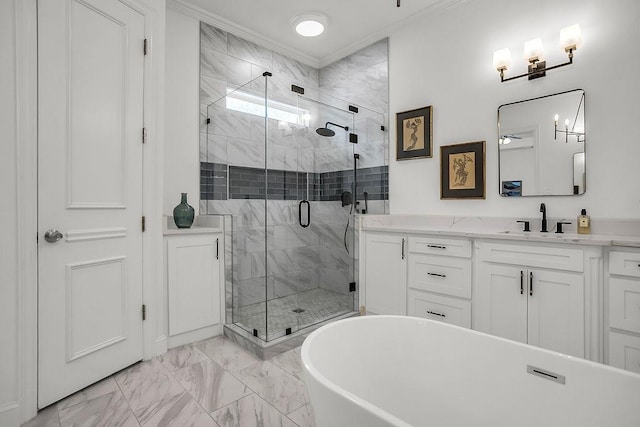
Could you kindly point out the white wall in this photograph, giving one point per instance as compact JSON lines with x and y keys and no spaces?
{"x":181,"y":165}
{"x":8,"y":217}
{"x":446,"y":61}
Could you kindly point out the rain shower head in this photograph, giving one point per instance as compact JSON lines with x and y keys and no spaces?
{"x":325,"y":131}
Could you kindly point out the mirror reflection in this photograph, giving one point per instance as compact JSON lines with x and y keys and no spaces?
{"x":542,"y":146}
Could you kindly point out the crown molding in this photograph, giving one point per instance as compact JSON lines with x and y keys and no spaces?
{"x":224,"y":24}
{"x":196,"y":12}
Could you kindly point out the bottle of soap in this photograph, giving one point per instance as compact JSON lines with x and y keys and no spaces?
{"x":584,"y":223}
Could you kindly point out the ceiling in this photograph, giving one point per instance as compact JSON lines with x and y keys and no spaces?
{"x":352,"y":24}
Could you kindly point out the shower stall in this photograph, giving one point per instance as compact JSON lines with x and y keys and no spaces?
{"x":290,"y":172}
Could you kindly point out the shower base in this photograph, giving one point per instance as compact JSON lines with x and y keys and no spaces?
{"x":303,"y":313}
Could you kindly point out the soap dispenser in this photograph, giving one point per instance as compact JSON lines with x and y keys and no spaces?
{"x":584,"y":223}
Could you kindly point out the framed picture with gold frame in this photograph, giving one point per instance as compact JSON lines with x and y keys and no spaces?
{"x":462,"y":171}
{"x":413,"y":133}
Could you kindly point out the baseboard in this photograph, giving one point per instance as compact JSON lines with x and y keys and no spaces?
{"x":193,"y":336}
{"x":161,"y":345}
{"x":10,"y":414}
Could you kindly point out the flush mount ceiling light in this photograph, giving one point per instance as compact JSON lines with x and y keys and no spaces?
{"x":309,"y":24}
{"x":570,"y":40}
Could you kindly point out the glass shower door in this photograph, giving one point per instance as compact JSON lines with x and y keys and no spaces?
{"x":310,"y":237}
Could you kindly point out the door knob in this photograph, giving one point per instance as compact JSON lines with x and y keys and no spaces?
{"x":53,"y":236}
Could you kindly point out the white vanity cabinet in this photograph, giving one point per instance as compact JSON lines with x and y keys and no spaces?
{"x":385,"y":273}
{"x":624,"y":309}
{"x":194,"y":278}
{"x":534,"y":294}
{"x":439,"y":279}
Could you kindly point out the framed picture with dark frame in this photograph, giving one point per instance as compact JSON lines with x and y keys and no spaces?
{"x":462,"y":171}
{"x":413,"y":133}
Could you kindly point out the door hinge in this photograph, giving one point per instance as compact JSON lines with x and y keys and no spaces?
{"x":144,"y":135}
{"x":144,"y":312}
{"x":144,"y":223}
{"x":144,"y":49}
{"x":352,"y":287}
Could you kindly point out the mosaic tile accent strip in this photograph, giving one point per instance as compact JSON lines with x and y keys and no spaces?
{"x":213,"y":181}
{"x":249,"y":183}
{"x":329,"y":186}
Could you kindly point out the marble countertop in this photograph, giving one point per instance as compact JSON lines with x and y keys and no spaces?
{"x":492,"y":228}
{"x":201,"y":225}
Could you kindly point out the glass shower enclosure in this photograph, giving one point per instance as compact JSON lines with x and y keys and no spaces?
{"x":283,"y":169}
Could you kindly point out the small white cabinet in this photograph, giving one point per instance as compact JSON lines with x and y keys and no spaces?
{"x":194,"y":274}
{"x":624,"y":309}
{"x":193,"y":271}
{"x":522,"y":302}
{"x":385,"y":273}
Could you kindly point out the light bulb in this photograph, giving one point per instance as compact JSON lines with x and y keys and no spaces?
{"x":501,"y":59}
{"x":555,"y":118}
{"x":533,"y":50}
{"x":570,"y":38}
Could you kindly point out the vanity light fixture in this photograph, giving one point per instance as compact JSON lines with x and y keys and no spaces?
{"x":570,"y":40}
{"x":309,"y":24}
{"x":579,"y":135}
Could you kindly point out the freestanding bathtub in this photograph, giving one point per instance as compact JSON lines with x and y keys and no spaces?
{"x":405,"y":371}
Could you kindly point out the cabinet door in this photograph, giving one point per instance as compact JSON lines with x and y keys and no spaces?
{"x":624,"y":351}
{"x":500,"y":302}
{"x":193,"y":277}
{"x":556,"y":311}
{"x":385,"y":274}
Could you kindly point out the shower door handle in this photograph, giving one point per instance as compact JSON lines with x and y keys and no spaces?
{"x":308,"y":213}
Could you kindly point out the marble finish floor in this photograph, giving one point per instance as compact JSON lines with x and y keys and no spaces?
{"x":318,"y":305}
{"x":211,"y":383}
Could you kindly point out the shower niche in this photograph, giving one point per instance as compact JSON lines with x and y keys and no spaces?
{"x":289,"y":173}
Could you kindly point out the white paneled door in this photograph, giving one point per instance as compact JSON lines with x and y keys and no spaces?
{"x":90,"y":115}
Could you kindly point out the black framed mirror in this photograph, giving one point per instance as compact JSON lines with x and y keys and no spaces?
{"x":541,"y":146}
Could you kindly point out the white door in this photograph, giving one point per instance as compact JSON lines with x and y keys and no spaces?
{"x":556,"y":311}
{"x":385,"y":274}
{"x":90,"y":115}
{"x":500,"y":301}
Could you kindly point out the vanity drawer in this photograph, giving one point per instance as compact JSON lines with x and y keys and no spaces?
{"x":624,"y":263}
{"x":440,"y":246}
{"x":533,"y":256}
{"x":435,"y":307}
{"x":624,"y":351}
{"x":444,"y":275}
{"x":624,"y":304}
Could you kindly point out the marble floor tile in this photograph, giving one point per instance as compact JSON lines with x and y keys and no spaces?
{"x":278,"y":387}
{"x":228,"y":354}
{"x":110,"y":410}
{"x":148,"y":387}
{"x":289,"y":361}
{"x":250,"y":411}
{"x":106,"y":386}
{"x":211,"y":385}
{"x":181,"y":411}
{"x":179,"y":357}
{"x":303,"y":416}
{"x":48,"y":417}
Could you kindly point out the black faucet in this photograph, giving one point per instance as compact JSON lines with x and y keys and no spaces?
{"x":543,"y":209}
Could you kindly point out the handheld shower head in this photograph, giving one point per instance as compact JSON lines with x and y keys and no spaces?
{"x":325,"y":131}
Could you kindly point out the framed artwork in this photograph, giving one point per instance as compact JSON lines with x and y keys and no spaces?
{"x":462,"y":171}
{"x":511,"y":188}
{"x":413,"y":133}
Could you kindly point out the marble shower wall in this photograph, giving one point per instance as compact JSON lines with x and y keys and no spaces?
{"x":232,"y":151}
